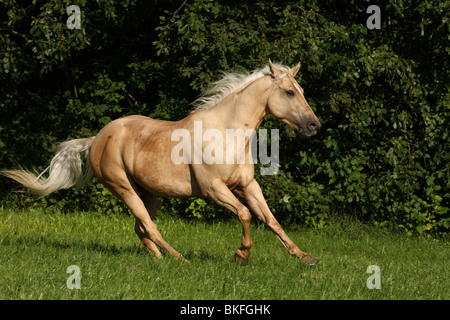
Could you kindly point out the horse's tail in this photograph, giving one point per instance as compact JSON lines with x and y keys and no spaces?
{"x":69,"y":167}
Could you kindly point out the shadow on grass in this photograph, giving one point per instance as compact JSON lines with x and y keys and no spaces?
{"x":109,"y":249}
{"x":203,"y":255}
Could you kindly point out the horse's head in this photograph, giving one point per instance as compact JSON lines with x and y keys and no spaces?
{"x":287,"y":102}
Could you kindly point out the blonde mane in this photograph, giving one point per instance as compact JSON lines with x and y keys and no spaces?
{"x":229,"y":83}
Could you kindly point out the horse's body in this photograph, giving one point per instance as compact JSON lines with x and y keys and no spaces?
{"x":133,"y":156}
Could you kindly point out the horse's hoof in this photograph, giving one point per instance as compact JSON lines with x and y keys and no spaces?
{"x":309,"y":261}
{"x":242,"y":261}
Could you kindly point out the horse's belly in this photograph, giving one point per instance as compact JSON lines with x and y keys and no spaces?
{"x":156,"y":172}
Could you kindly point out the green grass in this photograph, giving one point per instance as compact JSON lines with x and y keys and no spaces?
{"x":36,"y":248}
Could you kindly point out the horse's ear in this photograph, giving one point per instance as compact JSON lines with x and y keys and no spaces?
{"x":295,"y":69}
{"x":274,"y":70}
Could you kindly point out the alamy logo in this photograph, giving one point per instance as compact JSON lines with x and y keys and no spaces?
{"x":73,"y":281}
{"x":74,"y":20}
{"x":374,"y":281}
{"x":218,"y":147}
{"x":374,"y":21}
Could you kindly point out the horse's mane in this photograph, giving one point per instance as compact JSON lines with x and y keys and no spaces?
{"x":229,"y":83}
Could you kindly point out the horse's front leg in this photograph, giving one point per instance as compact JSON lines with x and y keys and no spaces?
{"x":220,"y":193}
{"x":258,"y":205}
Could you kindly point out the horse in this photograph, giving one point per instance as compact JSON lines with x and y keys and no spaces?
{"x":133,"y":156}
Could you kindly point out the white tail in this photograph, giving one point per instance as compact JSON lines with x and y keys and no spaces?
{"x":69,"y":167}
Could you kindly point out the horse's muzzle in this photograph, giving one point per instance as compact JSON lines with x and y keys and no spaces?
{"x":310,"y":127}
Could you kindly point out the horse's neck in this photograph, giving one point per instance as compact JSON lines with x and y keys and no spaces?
{"x":246,"y":108}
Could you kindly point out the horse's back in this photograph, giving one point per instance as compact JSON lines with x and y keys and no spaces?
{"x":141,"y":148}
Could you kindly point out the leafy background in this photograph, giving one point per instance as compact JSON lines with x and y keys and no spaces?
{"x":382,"y":96}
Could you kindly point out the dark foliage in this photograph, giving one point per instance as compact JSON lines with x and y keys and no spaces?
{"x":382,"y":95}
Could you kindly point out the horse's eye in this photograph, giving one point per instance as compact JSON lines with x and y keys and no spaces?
{"x":290,"y":93}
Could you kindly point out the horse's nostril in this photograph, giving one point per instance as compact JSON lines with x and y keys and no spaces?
{"x":312,"y":126}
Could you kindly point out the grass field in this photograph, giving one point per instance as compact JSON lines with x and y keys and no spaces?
{"x":36,"y":248}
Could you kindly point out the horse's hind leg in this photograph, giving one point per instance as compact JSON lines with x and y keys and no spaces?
{"x":149,"y":244}
{"x":151,"y":206}
{"x":145,"y":227}
{"x":126,"y":190}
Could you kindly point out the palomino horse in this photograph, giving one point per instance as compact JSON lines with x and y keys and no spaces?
{"x":133,"y":156}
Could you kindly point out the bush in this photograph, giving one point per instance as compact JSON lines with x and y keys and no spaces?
{"x":382,"y":95}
